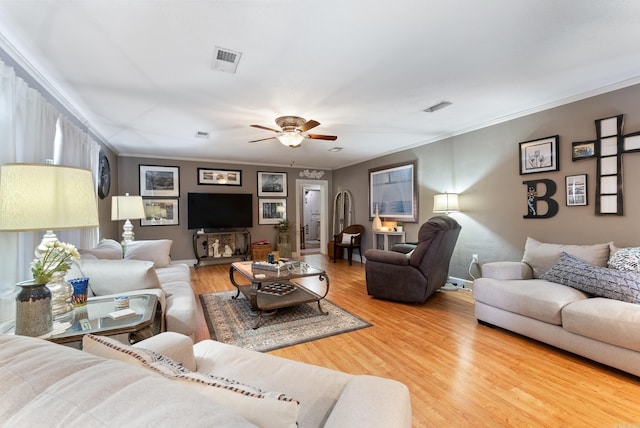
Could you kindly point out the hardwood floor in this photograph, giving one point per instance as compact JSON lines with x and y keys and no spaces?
{"x":459,"y":373}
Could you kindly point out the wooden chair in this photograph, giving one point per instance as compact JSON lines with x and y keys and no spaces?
{"x":349,"y":238}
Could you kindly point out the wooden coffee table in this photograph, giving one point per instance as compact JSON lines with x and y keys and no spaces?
{"x":272,"y":289}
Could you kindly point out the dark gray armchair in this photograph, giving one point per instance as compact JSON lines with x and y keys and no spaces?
{"x":415,"y":276}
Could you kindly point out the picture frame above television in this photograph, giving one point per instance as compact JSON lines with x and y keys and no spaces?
{"x":219,"y":177}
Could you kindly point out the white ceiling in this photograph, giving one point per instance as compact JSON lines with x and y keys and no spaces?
{"x":139,"y":72}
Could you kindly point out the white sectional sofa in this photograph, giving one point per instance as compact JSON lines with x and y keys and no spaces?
{"x":144,"y":267}
{"x":568,"y":297}
{"x":165,"y":381}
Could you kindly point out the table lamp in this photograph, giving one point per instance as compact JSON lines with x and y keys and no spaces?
{"x":445,"y":203}
{"x":126,"y":208}
{"x":45,"y":197}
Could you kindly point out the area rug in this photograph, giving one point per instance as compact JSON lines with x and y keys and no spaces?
{"x":230,"y":321}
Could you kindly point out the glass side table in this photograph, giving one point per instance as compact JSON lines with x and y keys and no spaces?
{"x":94,"y":318}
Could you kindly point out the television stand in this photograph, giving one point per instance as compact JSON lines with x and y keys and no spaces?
{"x":210,"y":252}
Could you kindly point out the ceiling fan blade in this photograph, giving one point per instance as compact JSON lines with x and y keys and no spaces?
{"x":321,"y":137}
{"x":263,"y":139}
{"x":309,"y":124}
{"x":264,"y":127}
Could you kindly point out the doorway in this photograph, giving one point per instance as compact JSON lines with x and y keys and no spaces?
{"x":311,"y":216}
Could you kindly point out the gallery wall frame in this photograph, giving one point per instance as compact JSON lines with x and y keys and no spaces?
{"x":393,"y":192}
{"x":583,"y":150}
{"x":272,"y":211}
{"x":576,"y":190}
{"x":219,"y":177}
{"x":539,"y":155}
{"x":160,"y":212}
{"x":272,"y":184}
{"x":159,"y":181}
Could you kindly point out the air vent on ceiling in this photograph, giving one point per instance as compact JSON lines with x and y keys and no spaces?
{"x":225,"y":60}
{"x":436,"y":107}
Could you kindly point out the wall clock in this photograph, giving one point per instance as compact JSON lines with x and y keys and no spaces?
{"x":104,"y":180}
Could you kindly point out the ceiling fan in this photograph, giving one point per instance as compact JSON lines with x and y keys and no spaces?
{"x":293,"y":131}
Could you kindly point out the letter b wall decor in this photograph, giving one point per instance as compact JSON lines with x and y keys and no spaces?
{"x":536,"y":201}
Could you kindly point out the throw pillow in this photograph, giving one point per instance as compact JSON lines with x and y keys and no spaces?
{"x":266,"y":409}
{"x":156,"y":251}
{"x":541,"y":256}
{"x":626,"y":259}
{"x":595,"y":280}
{"x":118,"y":276}
{"x":106,"y":249}
{"x":346,"y":237}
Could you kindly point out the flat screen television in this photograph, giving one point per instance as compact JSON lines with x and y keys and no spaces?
{"x":220,"y":210}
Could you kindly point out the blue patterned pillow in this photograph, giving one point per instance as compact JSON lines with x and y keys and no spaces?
{"x":599,"y":281}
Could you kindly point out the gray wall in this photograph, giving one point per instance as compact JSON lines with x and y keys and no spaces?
{"x":483,"y":167}
{"x":182,"y":249}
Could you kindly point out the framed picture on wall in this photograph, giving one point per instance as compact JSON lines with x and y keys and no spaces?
{"x":393,"y":192}
{"x":159,"y":181}
{"x":539,"y":155}
{"x":272,"y":211}
{"x":272,"y":184}
{"x":583,"y":150}
{"x":160,"y":212}
{"x":576,"y":190}
{"x":220,"y":177}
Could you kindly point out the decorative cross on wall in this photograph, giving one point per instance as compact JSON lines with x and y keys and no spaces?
{"x":608,"y":147}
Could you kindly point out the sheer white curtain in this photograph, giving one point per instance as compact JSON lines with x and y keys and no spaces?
{"x":27,"y":132}
{"x":75,"y":147}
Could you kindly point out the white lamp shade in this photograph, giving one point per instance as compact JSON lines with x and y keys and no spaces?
{"x":46,"y":197}
{"x":445,"y":203}
{"x":127,"y":207}
{"x":291,"y":139}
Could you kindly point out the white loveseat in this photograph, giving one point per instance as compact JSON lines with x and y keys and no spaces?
{"x":144,"y":267}
{"x":567,"y":297}
{"x":45,"y":384}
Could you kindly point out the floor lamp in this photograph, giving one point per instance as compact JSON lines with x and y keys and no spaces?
{"x":127,"y":208}
{"x":446,"y":203}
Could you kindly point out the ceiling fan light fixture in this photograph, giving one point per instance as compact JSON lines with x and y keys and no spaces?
{"x":290,"y":139}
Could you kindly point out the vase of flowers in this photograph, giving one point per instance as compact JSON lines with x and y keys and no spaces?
{"x":51,"y":267}
{"x":56,"y":258}
{"x":34,"y":313}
